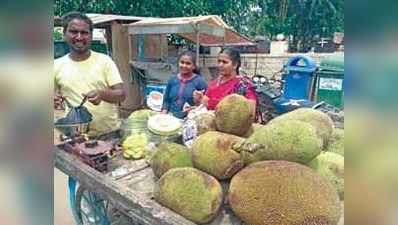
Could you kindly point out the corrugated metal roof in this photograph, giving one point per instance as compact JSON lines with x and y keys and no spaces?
{"x":230,"y":37}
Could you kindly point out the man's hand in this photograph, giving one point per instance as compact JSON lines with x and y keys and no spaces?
{"x":94,"y":97}
{"x":58,"y":101}
{"x":114,"y":94}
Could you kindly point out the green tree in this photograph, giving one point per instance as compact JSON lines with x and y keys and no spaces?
{"x":57,"y":35}
{"x":303,"y":20}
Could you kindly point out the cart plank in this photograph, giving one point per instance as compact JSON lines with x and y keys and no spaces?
{"x":135,"y":205}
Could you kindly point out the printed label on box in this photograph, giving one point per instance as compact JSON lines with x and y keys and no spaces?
{"x":331,"y":84}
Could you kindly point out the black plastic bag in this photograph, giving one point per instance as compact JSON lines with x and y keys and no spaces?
{"x":76,"y":120}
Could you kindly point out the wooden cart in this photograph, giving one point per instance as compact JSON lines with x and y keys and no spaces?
{"x":128,"y":187}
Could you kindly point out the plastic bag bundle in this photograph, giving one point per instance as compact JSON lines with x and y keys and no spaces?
{"x":76,"y":120}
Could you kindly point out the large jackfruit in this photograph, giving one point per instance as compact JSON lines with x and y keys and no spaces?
{"x":205,"y":122}
{"x":141,"y":114}
{"x":191,"y":193}
{"x":331,"y":166}
{"x":321,"y":121}
{"x":336,"y":143}
{"x":289,"y":140}
{"x":169,"y":155}
{"x":212,"y":152}
{"x":253,"y":128}
{"x":136,"y":122}
{"x":234,"y":115}
{"x":283,"y":193}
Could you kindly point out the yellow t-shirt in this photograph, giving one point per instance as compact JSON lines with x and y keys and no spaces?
{"x":72,"y":79}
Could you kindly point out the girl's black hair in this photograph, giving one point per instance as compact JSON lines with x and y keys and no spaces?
{"x":67,"y":18}
{"x":234,"y":55}
{"x":192,"y":56}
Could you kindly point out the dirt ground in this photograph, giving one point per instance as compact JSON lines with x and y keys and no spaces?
{"x":62,"y":212}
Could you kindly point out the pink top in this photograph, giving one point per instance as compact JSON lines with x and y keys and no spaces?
{"x":216,"y":91}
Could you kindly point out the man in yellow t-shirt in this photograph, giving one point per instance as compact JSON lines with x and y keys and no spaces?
{"x":84,"y":72}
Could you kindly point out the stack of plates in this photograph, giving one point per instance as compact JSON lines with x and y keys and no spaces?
{"x":164,"y":124}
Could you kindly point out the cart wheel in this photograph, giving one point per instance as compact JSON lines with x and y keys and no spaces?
{"x":91,"y":209}
{"x":83,"y":210}
{"x":72,"y":184}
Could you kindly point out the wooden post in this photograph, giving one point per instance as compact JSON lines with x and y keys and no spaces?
{"x":130,"y":47}
{"x":108,"y":37}
{"x":197,"y":46}
{"x":223,"y":39}
{"x":121,"y":45}
{"x":255,"y":68}
{"x":161,"y":48}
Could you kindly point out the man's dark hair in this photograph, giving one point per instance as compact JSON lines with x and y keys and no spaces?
{"x":67,"y":18}
{"x":234,"y":54}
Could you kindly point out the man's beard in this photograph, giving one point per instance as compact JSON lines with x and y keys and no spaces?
{"x":80,"y":50}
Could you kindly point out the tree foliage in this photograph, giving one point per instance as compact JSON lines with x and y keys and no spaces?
{"x":303,"y":20}
{"x":57,"y":34}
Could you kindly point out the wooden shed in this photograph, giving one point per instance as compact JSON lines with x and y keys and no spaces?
{"x":203,"y":30}
{"x":149,"y":51}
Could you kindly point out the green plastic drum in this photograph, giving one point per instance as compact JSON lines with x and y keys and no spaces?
{"x":330,"y":79}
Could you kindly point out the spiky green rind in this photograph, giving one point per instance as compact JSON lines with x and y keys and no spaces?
{"x":205,"y":122}
{"x":289,"y":140}
{"x":283,"y":193}
{"x":321,"y":121}
{"x":141,"y":114}
{"x":253,"y":128}
{"x":336,"y":143}
{"x":191,"y":193}
{"x":212,"y":153}
{"x":331,"y":166}
{"x":234,"y":115}
{"x":169,"y":155}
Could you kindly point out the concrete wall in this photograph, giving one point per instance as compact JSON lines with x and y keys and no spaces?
{"x":266,"y":64}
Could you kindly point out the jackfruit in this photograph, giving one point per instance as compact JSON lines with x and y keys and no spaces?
{"x":205,"y":122}
{"x":141,"y":114}
{"x":234,"y":115}
{"x":253,"y":128}
{"x":289,"y":140}
{"x":283,"y":193}
{"x":331,"y":166}
{"x":336,"y":143}
{"x":212,"y":153}
{"x":169,"y":155}
{"x":191,"y":193}
{"x":321,"y":121}
{"x":137,"y":122}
